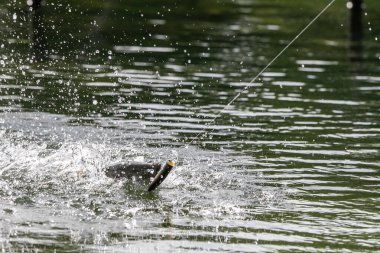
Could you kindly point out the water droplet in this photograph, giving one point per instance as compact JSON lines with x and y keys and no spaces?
{"x":95,"y":102}
{"x":14,"y":16}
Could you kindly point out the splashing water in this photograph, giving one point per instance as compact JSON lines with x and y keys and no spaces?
{"x":68,"y":174}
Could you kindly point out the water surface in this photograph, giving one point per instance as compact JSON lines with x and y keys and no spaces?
{"x":292,"y":165}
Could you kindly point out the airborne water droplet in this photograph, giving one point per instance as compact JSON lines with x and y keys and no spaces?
{"x":349,"y":5}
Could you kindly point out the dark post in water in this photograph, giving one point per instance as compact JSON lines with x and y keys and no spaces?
{"x":355,"y":28}
{"x":37,"y":33}
{"x":34,"y":3}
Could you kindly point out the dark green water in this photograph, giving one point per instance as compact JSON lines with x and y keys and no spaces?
{"x":292,"y":166}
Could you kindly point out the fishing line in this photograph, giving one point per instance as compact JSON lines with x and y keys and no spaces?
{"x":165,"y":170}
{"x":203,"y":131}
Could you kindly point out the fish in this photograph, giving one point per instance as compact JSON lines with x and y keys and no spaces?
{"x":161,"y":175}
{"x":130,"y":170}
{"x":156,"y":172}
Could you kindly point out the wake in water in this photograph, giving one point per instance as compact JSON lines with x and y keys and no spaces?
{"x":64,"y":171}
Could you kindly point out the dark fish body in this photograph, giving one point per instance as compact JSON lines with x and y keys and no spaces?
{"x":141,"y":171}
{"x":133,"y":170}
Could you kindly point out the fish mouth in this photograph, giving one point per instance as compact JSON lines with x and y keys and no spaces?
{"x":161,"y":175}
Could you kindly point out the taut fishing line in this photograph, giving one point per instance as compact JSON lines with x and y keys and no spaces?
{"x":163,"y":173}
{"x":259,"y":74}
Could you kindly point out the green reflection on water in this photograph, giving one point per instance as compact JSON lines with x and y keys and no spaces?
{"x":312,"y":124}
